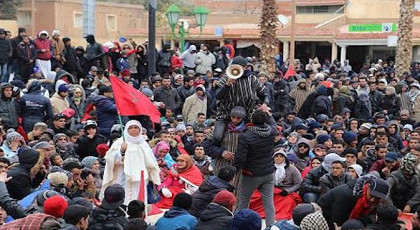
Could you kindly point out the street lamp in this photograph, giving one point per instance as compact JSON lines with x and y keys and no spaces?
{"x":173,"y":14}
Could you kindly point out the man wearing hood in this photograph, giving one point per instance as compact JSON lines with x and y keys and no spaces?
{"x":80,"y":54}
{"x":188,"y":57}
{"x":6,"y":52}
{"x":94,"y":52}
{"x":9,"y":112}
{"x":163,"y":60}
{"x":34,"y":107}
{"x":195,"y":104}
{"x":254,"y":157}
{"x":20,"y":184}
{"x":300,"y":93}
{"x":205,"y":60}
{"x":45,"y":50}
{"x":59,"y":100}
{"x":390,"y":103}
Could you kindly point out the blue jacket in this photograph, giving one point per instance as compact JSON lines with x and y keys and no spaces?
{"x":106,"y":111}
{"x":122,"y":64}
{"x":34,"y":107}
{"x":176,"y":219}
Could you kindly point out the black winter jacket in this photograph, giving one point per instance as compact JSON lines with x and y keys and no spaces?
{"x":9,"y":110}
{"x":215,"y":217}
{"x":6,"y":50}
{"x":392,"y":104}
{"x":206,"y":192}
{"x":87,"y":147}
{"x":107,"y":219}
{"x":311,"y":182}
{"x":168,"y":96}
{"x":20,"y":184}
{"x":254,"y":155}
{"x":25,"y":53}
{"x":403,"y":190}
{"x":322,"y":105}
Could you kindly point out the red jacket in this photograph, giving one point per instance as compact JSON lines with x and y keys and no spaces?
{"x":176,"y":62}
{"x":43,"y":44}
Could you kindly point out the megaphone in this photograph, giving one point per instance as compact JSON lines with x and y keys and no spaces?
{"x":234,"y":71}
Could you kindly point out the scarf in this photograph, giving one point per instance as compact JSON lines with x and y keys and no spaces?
{"x":236,"y":129}
{"x":160,"y":146}
{"x":280,"y":173}
{"x":362,"y":208}
{"x":188,"y":160}
{"x":135,"y":140}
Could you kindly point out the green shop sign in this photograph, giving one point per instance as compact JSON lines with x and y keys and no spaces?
{"x":383,"y":28}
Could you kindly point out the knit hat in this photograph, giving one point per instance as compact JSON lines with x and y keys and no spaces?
{"x":147,"y":92}
{"x":314,"y":221}
{"x":408,"y":164}
{"x":239,"y":60}
{"x":55,"y":206}
{"x":113,"y":197}
{"x":322,"y":89}
{"x":225,"y":199}
{"x":246,"y":219}
{"x":68,"y":113}
{"x":391,"y":156}
{"x":101,"y":149}
{"x":321,"y":139}
{"x":366,"y":126}
{"x":55,"y":32}
{"x":180,"y":127}
{"x":349,"y":136}
{"x":351,"y":151}
{"x":330,"y":158}
{"x":409,"y":127}
{"x":238,"y":111}
{"x":42,"y":145}
{"x":66,"y":39}
{"x":63,"y":88}
{"x":58,"y":178}
{"x":81,"y":201}
{"x":292,"y":158}
{"x":183,"y":200}
{"x":42,"y":196}
{"x":314,"y":125}
{"x":303,"y":210}
{"x":357,"y":168}
{"x":88,"y":161}
{"x":352,"y":224}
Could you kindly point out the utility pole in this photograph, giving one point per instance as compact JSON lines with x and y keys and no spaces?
{"x":151,"y":67}
{"x":33,"y":18}
{"x":292,"y":34}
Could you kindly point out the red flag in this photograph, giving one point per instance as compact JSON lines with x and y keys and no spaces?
{"x":142,"y":190}
{"x":290,"y":72}
{"x":131,"y":102}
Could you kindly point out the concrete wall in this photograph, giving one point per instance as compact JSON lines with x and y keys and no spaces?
{"x":372,"y":9}
{"x":10,"y":25}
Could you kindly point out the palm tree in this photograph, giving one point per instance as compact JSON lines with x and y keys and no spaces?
{"x":268,"y":25}
{"x":405,"y":28}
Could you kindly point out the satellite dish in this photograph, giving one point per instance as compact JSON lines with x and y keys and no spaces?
{"x":282,"y":19}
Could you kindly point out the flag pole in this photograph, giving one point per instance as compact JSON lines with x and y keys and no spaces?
{"x":122,"y":126}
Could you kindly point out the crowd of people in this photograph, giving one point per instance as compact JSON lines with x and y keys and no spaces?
{"x":326,"y":147}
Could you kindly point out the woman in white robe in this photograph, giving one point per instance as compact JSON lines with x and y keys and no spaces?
{"x":125,"y":162}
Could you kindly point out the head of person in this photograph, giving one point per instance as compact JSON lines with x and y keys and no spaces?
{"x":377,"y":191}
{"x":199,"y":136}
{"x":324,"y":139}
{"x":77,"y":215}
{"x":355,"y":171}
{"x":56,"y":160}
{"x":114,"y":196}
{"x":90,"y":127}
{"x":226,"y":199}
{"x":136,"y":209}
{"x":227,"y":173}
{"x":184,"y":163}
{"x":55,"y":206}
{"x":91,"y":163}
{"x":4,"y":165}
{"x":337,"y":168}
{"x":161,"y":149}
{"x":201,"y":118}
{"x":199,"y":151}
{"x":106,"y":91}
{"x":183,"y":201}
{"x":387,"y":214}
{"x":381,"y":138}
{"x":302,"y":210}
{"x":237,"y":115}
{"x":408,"y":164}
{"x":303,"y":146}
{"x":246,"y":219}
{"x":329,"y":159}
{"x":259,"y":118}
{"x":45,"y":147}
{"x":133,"y":132}
{"x":166,"y":82}
{"x":59,"y":121}
{"x":316,"y":161}
{"x":350,"y":154}
{"x":75,"y":168}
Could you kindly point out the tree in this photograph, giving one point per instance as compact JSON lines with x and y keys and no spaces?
{"x":8,"y":9}
{"x":268,"y":25}
{"x":405,"y":29}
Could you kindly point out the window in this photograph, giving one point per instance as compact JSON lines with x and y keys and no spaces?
{"x":320,"y":9}
{"x":111,"y":22}
{"x":78,"y":20}
{"x":24,"y":18}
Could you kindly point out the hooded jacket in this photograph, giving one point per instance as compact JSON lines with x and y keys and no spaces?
{"x":189,"y":58}
{"x":193,"y":106}
{"x":94,"y":50}
{"x":58,"y":103}
{"x":34,"y":107}
{"x":176,"y":218}
{"x":206,"y":193}
{"x":311,"y":182}
{"x":26,"y":52}
{"x":43,"y":44}
{"x":255,"y":149}
{"x":113,"y":219}
{"x":20,"y":184}
{"x":215,"y":216}
{"x":107,"y":114}
{"x":9,"y":110}
{"x":204,"y":62}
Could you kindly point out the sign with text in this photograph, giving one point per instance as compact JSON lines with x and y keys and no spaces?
{"x":380,"y":28}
